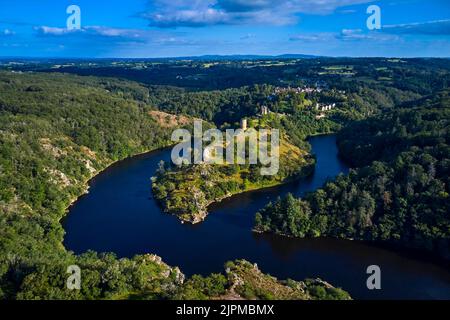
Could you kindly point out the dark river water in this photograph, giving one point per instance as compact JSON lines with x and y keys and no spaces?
{"x":120,"y":215}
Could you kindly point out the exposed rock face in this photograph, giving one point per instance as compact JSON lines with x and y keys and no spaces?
{"x":167,"y":271}
{"x":188,"y":190}
{"x":179,"y":276}
{"x":153,"y":258}
{"x":53,"y":150}
{"x":167,"y":120}
{"x":89,"y":166}
{"x":59,"y":178}
{"x":248,"y":282}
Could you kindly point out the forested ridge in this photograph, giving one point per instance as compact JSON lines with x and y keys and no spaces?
{"x":407,"y":75}
{"x":188,"y":190}
{"x":56,"y":132}
{"x":398,"y":191}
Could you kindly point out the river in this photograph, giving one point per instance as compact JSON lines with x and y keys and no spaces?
{"x":120,"y":215}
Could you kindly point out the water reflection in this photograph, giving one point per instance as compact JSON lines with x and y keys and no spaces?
{"x":119,"y":215}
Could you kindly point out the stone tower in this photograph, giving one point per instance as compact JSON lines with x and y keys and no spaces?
{"x":244,"y":124}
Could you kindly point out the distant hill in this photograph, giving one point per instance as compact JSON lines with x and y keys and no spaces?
{"x":245,"y":57}
{"x":236,"y":57}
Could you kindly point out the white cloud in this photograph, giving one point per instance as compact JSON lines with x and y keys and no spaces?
{"x":191,"y":17}
{"x":53,"y":30}
{"x":309,"y":37}
{"x":96,"y":35}
{"x":94,"y":31}
{"x":247,"y":36}
{"x":188,"y":13}
{"x":7,"y":32}
{"x":359,"y":34}
{"x":394,"y":32}
{"x":437,"y":27}
{"x":344,"y":35}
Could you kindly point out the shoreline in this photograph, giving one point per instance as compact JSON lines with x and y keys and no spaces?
{"x":204,"y":212}
{"x":87,"y":183}
{"x":310,"y":170}
{"x":415,"y":255}
{"x":412,"y":252}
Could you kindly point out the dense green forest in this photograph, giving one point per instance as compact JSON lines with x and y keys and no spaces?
{"x":399,"y":191}
{"x":421,"y":76}
{"x":227,"y":90}
{"x":292,"y":110}
{"x":188,"y":190}
{"x":243,"y":279}
{"x":58,"y":130}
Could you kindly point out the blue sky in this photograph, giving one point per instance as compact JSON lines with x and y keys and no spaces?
{"x":170,"y":28}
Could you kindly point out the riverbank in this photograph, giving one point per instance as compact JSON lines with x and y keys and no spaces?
{"x":119,"y":216}
{"x":86,"y":183}
{"x":188,"y":191}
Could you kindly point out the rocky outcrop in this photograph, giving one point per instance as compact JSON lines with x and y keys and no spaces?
{"x":247,"y":281}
